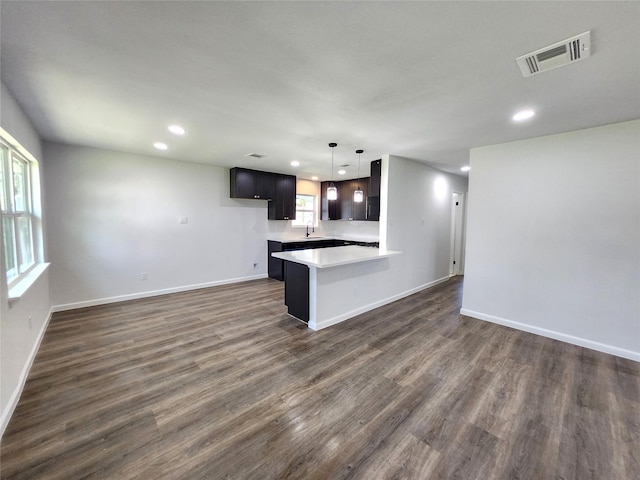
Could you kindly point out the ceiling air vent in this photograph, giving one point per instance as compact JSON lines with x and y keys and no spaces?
{"x":255,"y":155}
{"x":557,"y":55}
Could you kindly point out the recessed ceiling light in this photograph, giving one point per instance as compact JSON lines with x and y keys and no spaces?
{"x":176,"y":129}
{"x":295,"y":163}
{"x":341,"y":172}
{"x":314,"y":178}
{"x":160,"y":146}
{"x":523,"y":115}
{"x":466,"y":168}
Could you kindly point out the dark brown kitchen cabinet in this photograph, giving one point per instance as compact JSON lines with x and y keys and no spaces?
{"x":330,"y":209}
{"x":275,"y":266}
{"x":373,"y":196}
{"x":283,"y":204}
{"x":355,"y":210}
{"x":374,"y":179}
{"x":296,"y":290}
{"x":345,"y":197}
{"x":278,"y":189}
{"x":253,"y":184}
{"x":344,"y":208}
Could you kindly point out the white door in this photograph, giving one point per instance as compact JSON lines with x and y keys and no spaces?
{"x":456,"y":267}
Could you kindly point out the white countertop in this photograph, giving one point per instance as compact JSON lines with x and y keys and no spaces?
{"x":334,"y":256}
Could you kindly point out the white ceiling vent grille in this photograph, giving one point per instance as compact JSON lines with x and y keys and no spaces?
{"x":557,"y":55}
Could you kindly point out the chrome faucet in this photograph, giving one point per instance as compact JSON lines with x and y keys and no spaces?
{"x":313,"y":229}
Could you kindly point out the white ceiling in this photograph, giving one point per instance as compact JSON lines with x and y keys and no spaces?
{"x":424,"y":80}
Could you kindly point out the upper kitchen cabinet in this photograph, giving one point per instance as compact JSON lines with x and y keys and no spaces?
{"x":330,"y":209}
{"x":349,"y":209}
{"x":283,"y":204}
{"x":359,"y":209}
{"x":278,"y":189}
{"x":373,"y":196}
{"x":254,"y":184}
{"x":374,"y":179}
{"x":344,"y":208}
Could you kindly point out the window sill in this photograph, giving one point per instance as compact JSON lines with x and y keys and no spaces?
{"x":17,"y":290}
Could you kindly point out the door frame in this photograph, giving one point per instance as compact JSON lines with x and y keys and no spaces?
{"x":457,"y":242}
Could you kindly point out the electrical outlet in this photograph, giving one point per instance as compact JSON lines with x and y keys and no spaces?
{"x":144,"y":276}
{"x":184,"y":220}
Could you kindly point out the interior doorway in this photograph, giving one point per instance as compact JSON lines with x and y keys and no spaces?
{"x":456,"y":265}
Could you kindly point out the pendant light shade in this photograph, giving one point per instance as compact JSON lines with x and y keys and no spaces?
{"x":358,"y":195}
{"x":332,"y":191}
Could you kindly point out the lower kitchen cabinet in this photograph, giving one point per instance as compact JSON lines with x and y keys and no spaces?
{"x":296,"y":290}
{"x":274,"y":265}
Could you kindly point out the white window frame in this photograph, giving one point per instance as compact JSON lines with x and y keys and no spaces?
{"x":298,"y":222}
{"x":21,"y":265}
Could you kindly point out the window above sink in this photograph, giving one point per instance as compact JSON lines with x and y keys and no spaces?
{"x":306,"y":211}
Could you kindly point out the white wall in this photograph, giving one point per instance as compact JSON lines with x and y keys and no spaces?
{"x":416,"y":220}
{"x":553,"y":237}
{"x":114,"y":216}
{"x":22,"y":325}
{"x":14,"y":121}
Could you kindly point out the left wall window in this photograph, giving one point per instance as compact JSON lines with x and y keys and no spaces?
{"x":17,"y":212}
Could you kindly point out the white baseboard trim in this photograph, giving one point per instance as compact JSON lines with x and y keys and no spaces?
{"x":563,"y":337}
{"x":345,"y":316}
{"x":152,"y":293}
{"x":15,"y":396}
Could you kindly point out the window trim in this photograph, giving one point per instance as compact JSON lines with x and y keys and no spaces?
{"x":313,"y":210}
{"x":27,"y":274}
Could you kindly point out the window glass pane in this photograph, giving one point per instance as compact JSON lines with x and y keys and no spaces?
{"x":26,"y":244}
{"x":16,"y":203}
{"x":4,"y":194}
{"x":19,"y":185}
{"x":9,"y":247}
{"x":304,"y":202}
{"x":305,"y":211}
{"x":306,"y":218}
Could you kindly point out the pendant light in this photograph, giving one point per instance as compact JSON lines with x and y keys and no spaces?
{"x":358,"y":195}
{"x":332,"y":191}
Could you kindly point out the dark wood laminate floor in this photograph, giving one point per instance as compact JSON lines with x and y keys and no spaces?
{"x":220,"y":383}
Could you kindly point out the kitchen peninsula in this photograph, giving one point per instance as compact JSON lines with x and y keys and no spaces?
{"x":286,"y":244}
{"x":325,"y":286}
